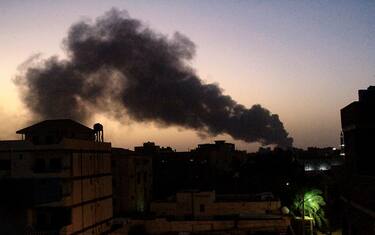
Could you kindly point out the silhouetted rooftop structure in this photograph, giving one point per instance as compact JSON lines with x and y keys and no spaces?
{"x":152,"y":148}
{"x":360,"y":114}
{"x":53,"y":131}
{"x":219,"y":144}
{"x":367,"y":95}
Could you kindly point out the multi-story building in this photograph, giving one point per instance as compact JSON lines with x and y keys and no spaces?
{"x":132,"y":182}
{"x":56,"y":180}
{"x":219,"y":155}
{"x":358,"y":125}
{"x":169,"y":171}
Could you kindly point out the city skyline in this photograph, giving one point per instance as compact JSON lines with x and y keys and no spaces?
{"x":316,"y":59}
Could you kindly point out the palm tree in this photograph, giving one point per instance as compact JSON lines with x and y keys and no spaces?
{"x":308,"y":204}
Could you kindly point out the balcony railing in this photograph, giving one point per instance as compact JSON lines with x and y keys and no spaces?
{"x":53,"y":232}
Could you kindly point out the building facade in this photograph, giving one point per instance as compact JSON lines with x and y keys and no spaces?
{"x":132,"y":182}
{"x":58,"y":180}
{"x":358,"y":125}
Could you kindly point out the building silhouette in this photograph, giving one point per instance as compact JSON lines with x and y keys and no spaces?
{"x":358,"y":125}
{"x":62,"y":178}
{"x":132,"y":182}
{"x":56,"y":180}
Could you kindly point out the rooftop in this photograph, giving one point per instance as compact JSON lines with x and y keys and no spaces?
{"x":55,"y":125}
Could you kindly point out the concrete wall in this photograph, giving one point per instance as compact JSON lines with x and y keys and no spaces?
{"x":160,"y":226}
{"x":204,"y":205}
{"x":91,"y":197}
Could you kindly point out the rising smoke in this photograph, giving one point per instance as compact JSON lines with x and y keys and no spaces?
{"x":119,"y":66}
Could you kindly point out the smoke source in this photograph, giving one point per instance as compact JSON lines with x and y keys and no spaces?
{"x":119,"y":66}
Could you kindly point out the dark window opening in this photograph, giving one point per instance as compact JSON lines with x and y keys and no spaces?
{"x":40,"y":165}
{"x":4,"y":165}
{"x":49,"y":139}
{"x":145,"y":177}
{"x":42,"y":220}
{"x":53,"y":219}
{"x":201,"y":208}
{"x":55,"y":164}
{"x":66,"y":189}
{"x":36,"y":139}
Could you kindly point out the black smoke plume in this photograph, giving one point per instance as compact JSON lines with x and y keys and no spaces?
{"x":119,"y":66}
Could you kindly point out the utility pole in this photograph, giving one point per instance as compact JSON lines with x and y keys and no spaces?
{"x":303,"y":212}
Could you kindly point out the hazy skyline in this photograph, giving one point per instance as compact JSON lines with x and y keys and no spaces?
{"x":303,"y":61}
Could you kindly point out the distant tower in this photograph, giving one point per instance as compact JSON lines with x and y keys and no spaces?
{"x":99,"y":133}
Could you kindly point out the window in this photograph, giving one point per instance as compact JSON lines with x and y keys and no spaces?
{"x":4,"y":165}
{"x":35,"y":139}
{"x":145,"y":177}
{"x":55,"y":164}
{"x":49,"y":139}
{"x":42,"y":219}
{"x":138,"y":178}
{"x":66,"y":188}
{"x":39,"y":165}
{"x":201,"y":208}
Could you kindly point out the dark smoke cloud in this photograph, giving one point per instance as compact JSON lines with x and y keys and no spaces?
{"x":119,"y":66}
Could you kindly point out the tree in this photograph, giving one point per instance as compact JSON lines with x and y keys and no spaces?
{"x":309,"y":204}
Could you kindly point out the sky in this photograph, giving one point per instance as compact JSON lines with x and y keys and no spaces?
{"x":303,"y":60}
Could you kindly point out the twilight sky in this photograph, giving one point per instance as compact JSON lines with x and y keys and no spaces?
{"x":302,"y":60}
